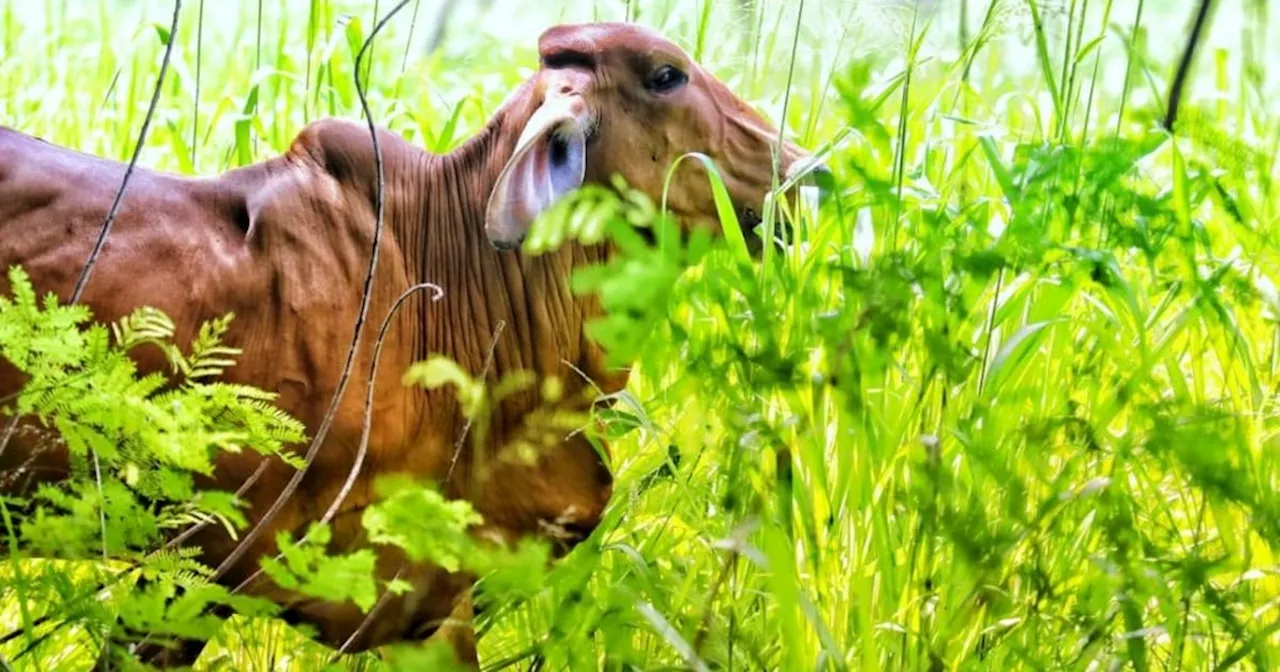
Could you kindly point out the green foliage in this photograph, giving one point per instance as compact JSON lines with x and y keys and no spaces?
{"x":308,"y":569}
{"x":1033,"y":409}
{"x":431,"y":656}
{"x":420,"y":521}
{"x":134,"y":445}
{"x":142,"y":442}
{"x":415,"y":518}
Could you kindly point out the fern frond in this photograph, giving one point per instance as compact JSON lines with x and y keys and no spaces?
{"x":144,"y":325}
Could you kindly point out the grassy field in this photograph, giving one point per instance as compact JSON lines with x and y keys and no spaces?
{"x":1010,"y":401}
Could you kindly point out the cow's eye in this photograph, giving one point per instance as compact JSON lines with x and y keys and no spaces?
{"x":666,"y":79}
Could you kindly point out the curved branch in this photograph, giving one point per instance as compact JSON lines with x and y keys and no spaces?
{"x":368,"y":400}
{"x":466,"y":427}
{"x":195,"y":105}
{"x":292,"y":486}
{"x":367,"y":425}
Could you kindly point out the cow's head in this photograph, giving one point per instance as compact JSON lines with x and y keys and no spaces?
{"x":617,"y":98}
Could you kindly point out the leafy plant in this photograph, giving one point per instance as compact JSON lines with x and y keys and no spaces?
{"x":134,"y":445}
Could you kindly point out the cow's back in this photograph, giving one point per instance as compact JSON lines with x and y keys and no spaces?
{"x":53,"y":201}
{"x":288,"y":267}
{"x":168,"y":249}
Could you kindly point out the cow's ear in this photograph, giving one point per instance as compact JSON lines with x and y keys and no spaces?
{"x":549,"y":161}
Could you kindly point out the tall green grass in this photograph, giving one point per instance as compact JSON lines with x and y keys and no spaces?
{"x":1008,"y":402}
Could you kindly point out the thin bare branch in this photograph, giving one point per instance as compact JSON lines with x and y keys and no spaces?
{"x":368,"y":618}
{"x":484,"y":373}
{"x":1184,"y":67}
{"x":133,"y":162}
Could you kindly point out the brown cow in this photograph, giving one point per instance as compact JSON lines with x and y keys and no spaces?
{"x":284,"y":244}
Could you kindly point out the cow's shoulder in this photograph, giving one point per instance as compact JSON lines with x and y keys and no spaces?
{"x":344,"y":149}
{"x":340,"y":147}
{"x":312,"y":209}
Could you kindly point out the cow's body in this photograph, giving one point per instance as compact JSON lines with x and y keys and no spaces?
{"x":285,"y":247}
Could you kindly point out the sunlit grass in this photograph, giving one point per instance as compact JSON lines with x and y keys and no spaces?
{"x":1010,"y":402}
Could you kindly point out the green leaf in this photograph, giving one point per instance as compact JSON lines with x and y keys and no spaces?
{"x":1012,"y":351}
{"x":421,"y":522}
{"x":730,"y":227}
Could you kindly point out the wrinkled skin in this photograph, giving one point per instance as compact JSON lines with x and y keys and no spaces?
{"x":284,"y":244}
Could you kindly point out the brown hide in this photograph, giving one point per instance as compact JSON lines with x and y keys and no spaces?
{"x":284,"y":244}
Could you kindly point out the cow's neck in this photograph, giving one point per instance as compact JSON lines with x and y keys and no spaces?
{"x":526,"y":298}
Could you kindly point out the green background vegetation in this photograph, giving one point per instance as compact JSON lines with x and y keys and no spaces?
{"x":1008,"y":402}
